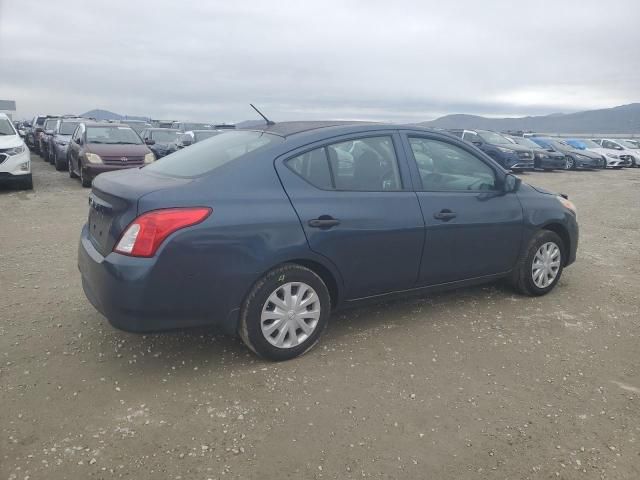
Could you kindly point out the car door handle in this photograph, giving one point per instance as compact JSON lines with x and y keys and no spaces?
{"x":445,"y":215}
{"x":324,"y":221}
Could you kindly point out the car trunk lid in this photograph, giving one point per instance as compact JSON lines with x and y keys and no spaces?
{"x":113,"y":203}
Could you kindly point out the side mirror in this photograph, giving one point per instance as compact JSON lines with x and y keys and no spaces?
{"x":511,"y":183}
{"x":186,"y":142}
{"x":21,"y":133}
{"x":477,"y":143}
{"x":149,"y":141}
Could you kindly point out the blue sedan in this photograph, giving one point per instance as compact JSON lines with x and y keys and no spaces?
{"x":264,"y":232}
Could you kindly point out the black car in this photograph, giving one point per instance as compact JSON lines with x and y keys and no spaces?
{"x":508,"y":154}
{"x":575,"y":158}
{"x":543,"y":159}
{"x":161,"y":141}
{"x":44,"y":139}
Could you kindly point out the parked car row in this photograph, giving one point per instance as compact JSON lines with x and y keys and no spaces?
{"x":518,"y":153}
{"x":85,"y":147}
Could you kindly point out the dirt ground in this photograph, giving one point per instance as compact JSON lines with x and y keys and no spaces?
{"x":475,"y":383}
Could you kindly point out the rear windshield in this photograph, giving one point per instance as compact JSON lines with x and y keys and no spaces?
{"x":113,"y":135}
{"x":212,"y":153}
{"x":167,"y":136}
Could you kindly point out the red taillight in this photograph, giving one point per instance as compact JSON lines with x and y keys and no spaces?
{"x":145,"y":234}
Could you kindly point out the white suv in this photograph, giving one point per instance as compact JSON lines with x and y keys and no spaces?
{"x":15,"y":158}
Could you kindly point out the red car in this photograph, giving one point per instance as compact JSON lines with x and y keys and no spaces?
{"x":103,"y":147}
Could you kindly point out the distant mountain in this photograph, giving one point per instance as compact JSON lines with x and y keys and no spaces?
{"x":622,"y":119}
{"x":102,"y":115}
{"x":107,"y":115}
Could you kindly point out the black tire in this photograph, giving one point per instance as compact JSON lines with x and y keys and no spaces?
{"x":72,"y":174}
{"x":522,"y":278}
{"x":60,"y":166}
{"x":249,"y":327}
{"x":86,"y":183}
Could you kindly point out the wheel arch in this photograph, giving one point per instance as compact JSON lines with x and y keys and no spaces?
{"x":563,"y":233}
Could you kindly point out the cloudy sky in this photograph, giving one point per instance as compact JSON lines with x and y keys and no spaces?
{"x":360,"y":59}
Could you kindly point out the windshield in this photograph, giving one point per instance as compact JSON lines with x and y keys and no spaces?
{"x":67,"y":128}
{"x":165,"y":136}
{"x":137,"y":126}
{"x":494,"y":138}
{"x":215,"y":152}
{"x":525,"y":142}
{"x":113,"y":135}
{"x":584,"y":143}
{"x":199,"y":136}
{"x":50,"y":124}
{"x":40,"y":121}
{"x":628,"y":144}
{"x":6,"y":128}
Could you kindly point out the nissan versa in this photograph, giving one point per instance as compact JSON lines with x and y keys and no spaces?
{"x":264,"y":232}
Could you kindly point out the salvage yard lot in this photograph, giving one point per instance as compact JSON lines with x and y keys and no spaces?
{"x":474,"y":383}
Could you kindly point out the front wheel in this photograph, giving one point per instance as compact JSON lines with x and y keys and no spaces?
{"x":86,"y":182}
{"x":285,"y":313}
{"x":72,"y":173}
{"x":540,"y":268}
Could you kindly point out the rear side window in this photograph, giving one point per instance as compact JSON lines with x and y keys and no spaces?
{"x":365,"y":164}
{"x":313,"y":167}
{"x":205,"y":156}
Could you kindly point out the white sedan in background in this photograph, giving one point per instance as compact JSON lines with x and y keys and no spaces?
{"x":15,"y":158}
{"x":631,"y":155}
{"x":613,"y":157}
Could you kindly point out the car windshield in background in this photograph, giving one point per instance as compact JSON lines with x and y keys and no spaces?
{"x":199,"y":136}
{"x":197,"y":126}
{"x":587,"y":143}
{"x":138,"y":127}
{"x":165,"y":136}
{"x":206,"y":156}
{"x":50,"y":124}
{"x":525,"y":142}
{"x":40,"y":121}
{"x":67,"y":128}
{"x":494,"y":138}
{"x":6,"y":128}
{"x":627,"y":144}
{"x":112,"y":135}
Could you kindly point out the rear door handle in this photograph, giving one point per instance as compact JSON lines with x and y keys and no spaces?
{"x":445,"y":215}
{"x":324,"y":221}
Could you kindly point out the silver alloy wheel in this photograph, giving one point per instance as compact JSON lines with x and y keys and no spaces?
{"x":546,"y":265}
{"x":568,"y":163}
{"x":290,"y":315}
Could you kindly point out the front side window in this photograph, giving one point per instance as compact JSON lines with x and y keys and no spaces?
{"x":50,"y":124}
{"x":164,"y":136}
{"x":365,"y":164}
{"x":494,"y":138}
{"x":447,"y":167}
{"x":113,"y":135}
{"x":206,"y":156}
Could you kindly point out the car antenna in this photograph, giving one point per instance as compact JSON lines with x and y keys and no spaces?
{"x":269,"y":122}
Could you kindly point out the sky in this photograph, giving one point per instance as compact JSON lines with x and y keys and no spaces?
{"x":400,"y":61}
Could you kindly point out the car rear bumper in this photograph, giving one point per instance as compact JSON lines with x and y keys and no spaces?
{"x":134,"y":297}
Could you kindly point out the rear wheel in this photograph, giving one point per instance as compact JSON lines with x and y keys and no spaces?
{"x":540,"y":268}
{"x":570,"y":163}
{"x":285,"y":313}
{"x":57,"y":162}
